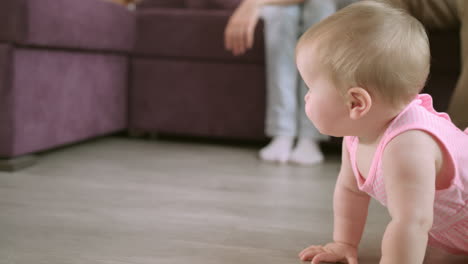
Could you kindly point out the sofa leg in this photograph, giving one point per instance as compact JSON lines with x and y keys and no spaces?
{"x":17,"y":163}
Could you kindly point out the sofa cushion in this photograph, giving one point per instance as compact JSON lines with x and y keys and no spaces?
{"x":83,"y":24}
{"x":189,"y":33}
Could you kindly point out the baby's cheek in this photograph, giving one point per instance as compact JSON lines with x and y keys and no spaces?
{"x":314,"y":116}
{"x":309,"y":111}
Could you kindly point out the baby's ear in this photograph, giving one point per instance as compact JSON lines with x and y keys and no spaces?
{"x":359,"y":102}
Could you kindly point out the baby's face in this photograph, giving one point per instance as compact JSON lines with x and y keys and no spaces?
{"x":324,"y":105}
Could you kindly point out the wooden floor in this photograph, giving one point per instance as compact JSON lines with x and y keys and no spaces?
{"x":120,"y":200}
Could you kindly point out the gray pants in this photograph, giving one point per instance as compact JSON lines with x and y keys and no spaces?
{"x":285,"y":89}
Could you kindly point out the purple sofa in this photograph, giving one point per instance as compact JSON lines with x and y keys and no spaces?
{"x":63,"y":72}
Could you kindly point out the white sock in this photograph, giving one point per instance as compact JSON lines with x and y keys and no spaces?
{"x":278,"y":150}
{"x":306,"y":152}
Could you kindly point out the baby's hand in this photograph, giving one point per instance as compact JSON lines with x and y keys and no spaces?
{"x":332,"y":252}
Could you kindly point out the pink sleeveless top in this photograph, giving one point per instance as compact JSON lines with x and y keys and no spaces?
{"x":450,"y":228}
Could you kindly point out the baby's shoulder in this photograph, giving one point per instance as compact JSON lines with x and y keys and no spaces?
{"x":412,"y":146}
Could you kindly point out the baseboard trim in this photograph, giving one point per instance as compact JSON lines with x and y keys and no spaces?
{"x":18,"y":163}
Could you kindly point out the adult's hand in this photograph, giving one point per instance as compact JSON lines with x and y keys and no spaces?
{"x":240,"y":30}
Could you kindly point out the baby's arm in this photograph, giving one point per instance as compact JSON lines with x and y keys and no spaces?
{"x":350,"y":205}
{"x":350,"y":213}
{"x":409,"y":166}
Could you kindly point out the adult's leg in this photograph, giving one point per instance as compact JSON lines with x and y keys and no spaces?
{"x":307,"y":151}
{"x":458,"y":108}
{"x":445,"y":14}
{"x":434,"y":14}
{"x":281,"y":31}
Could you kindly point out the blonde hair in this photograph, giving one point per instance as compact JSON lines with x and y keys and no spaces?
{"x":372,"y":45}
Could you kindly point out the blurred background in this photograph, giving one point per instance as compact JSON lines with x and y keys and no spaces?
{"x":128,"y":134}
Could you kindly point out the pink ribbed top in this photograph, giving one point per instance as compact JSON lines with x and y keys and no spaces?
{"x":450,"y":228}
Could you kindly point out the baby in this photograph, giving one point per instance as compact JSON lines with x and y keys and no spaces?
{"x":365,"y":66}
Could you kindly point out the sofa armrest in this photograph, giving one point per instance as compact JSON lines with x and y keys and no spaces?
{"x":83,"y":24}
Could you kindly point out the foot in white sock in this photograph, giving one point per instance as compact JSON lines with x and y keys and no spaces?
{"x":278,"y":150}
{"x":306,"y":152}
